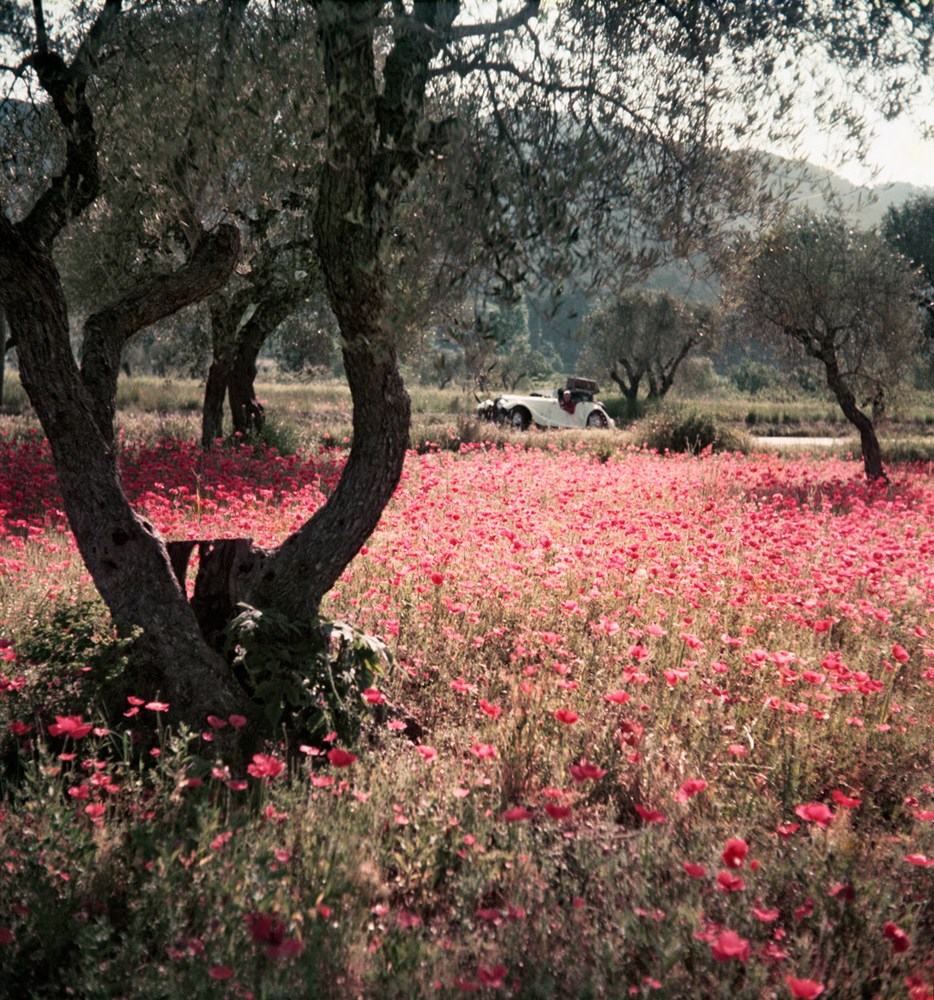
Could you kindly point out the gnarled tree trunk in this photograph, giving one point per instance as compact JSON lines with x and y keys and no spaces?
{"x":122,"y":551}
{"x":869,"y":442}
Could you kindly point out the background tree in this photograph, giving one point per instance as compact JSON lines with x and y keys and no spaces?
{"x":844,"y":299}
{"x":910,"y":229}
{"x":644,"y":335}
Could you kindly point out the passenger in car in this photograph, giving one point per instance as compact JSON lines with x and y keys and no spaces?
{"x":566,"y":402}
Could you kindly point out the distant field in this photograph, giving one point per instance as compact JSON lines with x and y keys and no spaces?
{"x":306,"y":416}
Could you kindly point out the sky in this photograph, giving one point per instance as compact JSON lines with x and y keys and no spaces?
{"x":898,"y":153}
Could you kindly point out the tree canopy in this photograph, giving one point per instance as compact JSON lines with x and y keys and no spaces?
{"x":844,"y":299}
{"x":644,"y":335}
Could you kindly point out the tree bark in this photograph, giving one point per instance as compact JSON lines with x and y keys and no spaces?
{"x":3,"y":330}
{"x":247,"y":412}
{"x":869,"y":442}
{"x":223,"y":347}
{"x":122,"y":551}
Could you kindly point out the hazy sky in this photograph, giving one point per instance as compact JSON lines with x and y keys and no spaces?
{"x":897,"y":154}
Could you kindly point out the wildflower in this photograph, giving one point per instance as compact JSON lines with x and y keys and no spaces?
{"x":428,"y":753}
{"x":373,"y":696}
{"x":695,"y":871}
{"x":815,"y":812}
{"x":727,"y":945}
{"x":265,"y":766}
{"x":483,"y":751}
{"x":649,"y":815}
{"x":618,"y":697}
{"x":734,"y":854}
{"x":689,"y":789}
{"x":897,"y":936}
{"x":516,"y":815}
{"x":900,"y":653}
{"x":237,"y":721}
{"x":69,"y":725}
{"x":585,"y":771}
{"x":556,"y":811}
{"x":157,"y":706}
{"x":566,"y":716}
{"x":845,"y":801}
{"x":341,"y":758}
{"x":728,"y":882}
{"x":220,"y":972}
{"x":494,"y":977}
{"x":921,"y":860}
{"x":804,"y":989}
{"x":493,"y":711}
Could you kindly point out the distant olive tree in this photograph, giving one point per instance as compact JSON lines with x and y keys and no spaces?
{"x":641,"y":338}
{"x":843,"y":299}
{"x":910,"y":229}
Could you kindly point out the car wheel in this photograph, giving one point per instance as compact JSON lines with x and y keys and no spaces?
{"x":519,"y":419}
{"x":596,"y":419}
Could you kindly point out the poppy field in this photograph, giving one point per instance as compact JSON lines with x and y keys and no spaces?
{"x":652,"y":726}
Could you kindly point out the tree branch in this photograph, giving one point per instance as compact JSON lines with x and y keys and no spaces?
{"x":76,"y":186}
{"x":106,"y":331}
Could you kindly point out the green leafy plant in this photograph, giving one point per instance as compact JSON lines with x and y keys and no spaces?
{"x":691,"y":432}
{"x":309,"y":676}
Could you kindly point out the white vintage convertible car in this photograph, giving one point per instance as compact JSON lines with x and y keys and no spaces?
{"x":571,"y":406}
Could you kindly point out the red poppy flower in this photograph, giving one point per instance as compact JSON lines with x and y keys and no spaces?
{"x":586,"y":772}
{"x":649,"y":815}
{"x":726,"y":945}
{"x":734,"y":854}
{"x":689,"y":789}
{"x":265,"y":766}
{"x":804,"y":989}
{"x":516,"y":814}
{"x":557,"y":812}
{"x":815,"y":812}
{"x":70,"y":725}
{"x":695,"y":871}
{"x":566,"y":716}
{"x":341,"y":758}
{"x":728,"y":882}
{"x":899,"y":939}
{"x":844,"y":800}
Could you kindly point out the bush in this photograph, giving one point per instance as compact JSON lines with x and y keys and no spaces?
{"x":752,"y":377}
{"x":308,"y":678}
{"x":692,"y":432}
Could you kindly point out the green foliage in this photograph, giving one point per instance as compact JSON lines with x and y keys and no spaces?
{"x":277,"y":433}
{"x":308,"y":676}
{"x":752,"y":377}
{"x":75,"y":656}
{"x":690,"y":431}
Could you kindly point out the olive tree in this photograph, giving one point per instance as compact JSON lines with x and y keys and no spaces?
{"x":612,"y":131}
{"x":644,"y":335}
{"x":843,"y":299}
{"x":909,"y":228}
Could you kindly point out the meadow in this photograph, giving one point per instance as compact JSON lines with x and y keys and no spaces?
{"x":653,"y":725}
